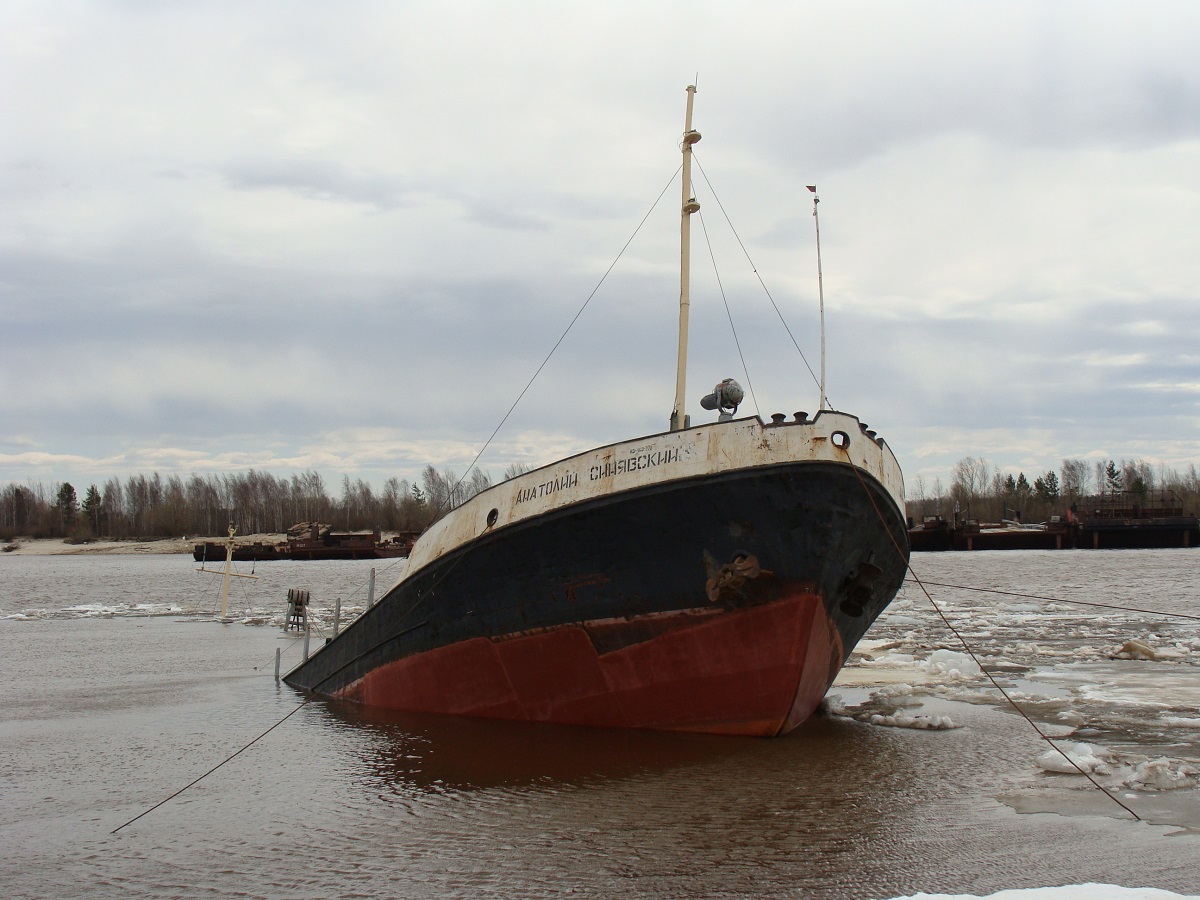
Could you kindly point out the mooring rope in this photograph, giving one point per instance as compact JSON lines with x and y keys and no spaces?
{"x":971,"y":652}
{"x":1135,"y":609}
{"x":163,"y":802}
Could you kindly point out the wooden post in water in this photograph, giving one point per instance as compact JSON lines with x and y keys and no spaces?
{"x":337,"y":616}
{"x":307,"y":632}
{"x":277,"y":665}
{"x":371,"y":590}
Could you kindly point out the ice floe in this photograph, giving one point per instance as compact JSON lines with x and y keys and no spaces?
{"x":1066,"y":892}
{"x":1086,"y":758}
{"x":884,"y":707}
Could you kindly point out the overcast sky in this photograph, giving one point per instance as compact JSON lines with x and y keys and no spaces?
{"x":343,"y":237}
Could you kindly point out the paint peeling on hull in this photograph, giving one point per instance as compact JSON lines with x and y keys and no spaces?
{"x":746,"y":671}
{"x":720,"y":604}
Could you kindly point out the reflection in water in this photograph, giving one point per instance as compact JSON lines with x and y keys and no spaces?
{"x":107,"y":718}
{"x":429,"y":751}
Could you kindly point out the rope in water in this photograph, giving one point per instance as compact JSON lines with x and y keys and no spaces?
{"x":163,"y":802}
{"x":971,"y":652}
{"x":1136,"y":609}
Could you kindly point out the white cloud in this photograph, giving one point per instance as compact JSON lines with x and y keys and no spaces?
{"x":292,"y":236}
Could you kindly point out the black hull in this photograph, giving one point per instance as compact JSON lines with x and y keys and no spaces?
{"x":642,"y":556}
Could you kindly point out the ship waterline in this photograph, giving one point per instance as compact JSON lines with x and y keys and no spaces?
{"x":714,"y":583}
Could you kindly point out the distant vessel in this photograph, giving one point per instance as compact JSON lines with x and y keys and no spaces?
{"x":312,"y":540}
{"x":709,"y":578}
{"x":1120,"y":520}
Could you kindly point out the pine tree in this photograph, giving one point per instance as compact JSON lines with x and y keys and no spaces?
{"x":1046,"y":487}
{"x":93,"y":508}
{"x":68,"y":505}
{"x":1112,"y":477}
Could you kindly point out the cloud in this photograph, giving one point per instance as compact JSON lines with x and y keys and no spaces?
{"x":288,"y":236}
{"x":317,"y":180}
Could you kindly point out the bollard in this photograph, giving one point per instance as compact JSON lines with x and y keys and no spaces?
{"x":371,"y":590}
{"x":277,"y":665}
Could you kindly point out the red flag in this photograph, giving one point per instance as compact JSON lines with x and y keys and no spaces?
{"x":811,"y":187}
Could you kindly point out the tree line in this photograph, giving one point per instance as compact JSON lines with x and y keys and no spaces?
{"x":979,"y":491}
{"x":254,"y":502}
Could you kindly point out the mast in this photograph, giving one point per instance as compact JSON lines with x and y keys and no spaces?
{"x":820,"y":290}
{"x":227,"y":572}
{"x":679,"y":419}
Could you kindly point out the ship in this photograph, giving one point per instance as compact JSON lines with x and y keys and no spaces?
{"x":709,"y":578}
{"x":313,"y":540}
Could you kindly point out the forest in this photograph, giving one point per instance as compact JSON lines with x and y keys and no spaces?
{"x":254,"y":502}
{"x":983,"y":493}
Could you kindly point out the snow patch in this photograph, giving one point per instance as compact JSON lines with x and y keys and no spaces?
{"x":951,"y":664}
{"x":1162,"y":774}
{"x":1088,"y":757}
{"x":1067,"y":892}
{"x":925,"y":723}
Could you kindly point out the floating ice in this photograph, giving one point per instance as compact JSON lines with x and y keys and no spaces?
{"x":925,"y":723}
{"x":1135,"y":649}
{"x":1067,"y":892}
{"x":1162,"y":774}
{"x":951,"y":664}
{"x":1087,"y":757}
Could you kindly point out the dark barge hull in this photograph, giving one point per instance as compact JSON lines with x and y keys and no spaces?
{"x":215,"y":552}
{"x":724,"y":603}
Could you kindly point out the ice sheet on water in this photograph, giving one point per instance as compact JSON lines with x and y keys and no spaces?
{"x":1162,"y":774}
{"x":924,"y":723}
{"x":321,"y":618}
{"x":1087,"y":757}
{"x":1181,"y":722}
{"x":883,"y":708}
{"x":951,"y":664}
{"x":1067,"y":892}
{"x":1122,"y":771}
{"x":96,"y":611}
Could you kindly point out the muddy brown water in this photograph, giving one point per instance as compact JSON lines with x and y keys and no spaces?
{"x":113,"y":702}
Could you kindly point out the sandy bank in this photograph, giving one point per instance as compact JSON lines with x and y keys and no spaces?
{"x":59,"y":547}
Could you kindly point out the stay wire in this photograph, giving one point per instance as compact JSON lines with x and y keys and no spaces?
{"x":421,"y":598}
{"x":163,"y":802}
{"x":729,"y":314}
{"x":1136,"y":609}
{"x":754,"y":269}
{"x":970,"y":652}
{"x":561,"y":338}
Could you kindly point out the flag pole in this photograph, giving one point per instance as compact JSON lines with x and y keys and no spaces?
{"x":820,"y":289}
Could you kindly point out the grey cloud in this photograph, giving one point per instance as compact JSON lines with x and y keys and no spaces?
{"x":319,"y":180}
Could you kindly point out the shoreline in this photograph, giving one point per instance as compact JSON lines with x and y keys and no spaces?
{"x":60,"y":547}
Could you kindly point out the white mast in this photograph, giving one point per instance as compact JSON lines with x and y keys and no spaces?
{"x":820,"y":290}
{"x":227,"y":573}
{"x":678,"y":418}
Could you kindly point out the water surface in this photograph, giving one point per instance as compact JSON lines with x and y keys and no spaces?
{"x":121,"y":690}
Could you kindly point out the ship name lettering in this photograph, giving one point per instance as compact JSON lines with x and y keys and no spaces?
{"x":546,"y":488}
{"x":633,"y":464}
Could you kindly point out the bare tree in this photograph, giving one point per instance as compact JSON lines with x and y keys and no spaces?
{"x":1075,"y":480}
{"x":515,"y":469}
{"x":971,"y":478}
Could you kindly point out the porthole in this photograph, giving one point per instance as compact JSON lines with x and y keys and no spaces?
{"x":840,"y":439}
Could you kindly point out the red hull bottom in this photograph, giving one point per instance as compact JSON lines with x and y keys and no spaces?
{"x":759,"y":671}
